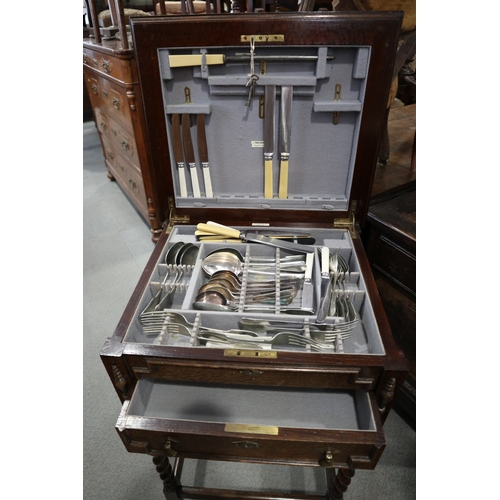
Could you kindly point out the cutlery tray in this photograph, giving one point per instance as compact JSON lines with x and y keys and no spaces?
{"x":364,"y":338}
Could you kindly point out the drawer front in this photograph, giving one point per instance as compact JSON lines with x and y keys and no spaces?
{"x":202,"y":421}
{"x":125,"y":174}
{"x":396,"y":263}
{"x":108,"y":65}
{"x":226,"y":372}
{"x":109,"y":97}
{"x":119,"y":138}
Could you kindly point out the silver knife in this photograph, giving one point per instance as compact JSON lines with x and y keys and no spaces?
{"x":179,"y":153}
{"x":326,"y":285}
{"x":203,"y":152}
{"x":307,"y":287}
{"x":285,"y":133}
{"x":269,"y":132}
{"x":255,"y":238}
{"x":189,"y":152}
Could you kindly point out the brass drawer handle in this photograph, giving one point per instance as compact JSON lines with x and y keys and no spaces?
{"x":111,"y":156}
{"x":96,"y":64}
{"x":95,"y":89}
{"x":106,"y":66}
{"x":104,"y":126}
{"x":132,"y":184}
{"x":125,"y":145}
{"x":116,"y":103}
{"x":105,"y":94}
{"x":85,"y":59}
{"x":246,"y":444}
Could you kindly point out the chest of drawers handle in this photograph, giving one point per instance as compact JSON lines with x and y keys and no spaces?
{"x":95,"y":89}
{"x":106,"y":66}
{"x":116,"y":103}
{"x":125,"y":145}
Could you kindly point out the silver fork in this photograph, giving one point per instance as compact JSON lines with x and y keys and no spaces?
{"x":282,"y":338}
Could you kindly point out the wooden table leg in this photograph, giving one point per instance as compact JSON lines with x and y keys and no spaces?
{"x":337,"y":485}
{"x":170,"y":482}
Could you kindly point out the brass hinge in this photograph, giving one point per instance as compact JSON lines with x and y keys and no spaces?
{"x":174,"y":218}
{"x":347,"y":223}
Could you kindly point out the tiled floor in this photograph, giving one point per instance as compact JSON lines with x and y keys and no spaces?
{"x":117,"y":244}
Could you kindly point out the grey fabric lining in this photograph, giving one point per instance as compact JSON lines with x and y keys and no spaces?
{"x":365,"y":339}
{"x":322,"y":154}
{"x":274,"y":406}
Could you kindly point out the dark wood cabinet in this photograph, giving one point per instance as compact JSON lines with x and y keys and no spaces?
{"x":184,"y":395}
{"x":390,"y":241}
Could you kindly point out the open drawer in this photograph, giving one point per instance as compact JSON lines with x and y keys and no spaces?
{"x":330,"y":428}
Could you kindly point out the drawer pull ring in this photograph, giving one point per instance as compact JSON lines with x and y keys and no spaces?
{"x":251,"y":372}
{"x":94,"y":89}
{"x":169,"y":451}
{"x":125,"y":145}
{"x":246,"y":444}
{"x":116,"y":103}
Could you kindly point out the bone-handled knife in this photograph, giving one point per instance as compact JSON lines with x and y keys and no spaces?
{"x":285,"y":133}
{"x":269,"y":132}
{"x":203,"y":152}
{"x":179,"y":153}
{"x":254,"y":238}
{"x":189,"y":152}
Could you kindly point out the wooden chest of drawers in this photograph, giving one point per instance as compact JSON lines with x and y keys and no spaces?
{"x":110,"y":75}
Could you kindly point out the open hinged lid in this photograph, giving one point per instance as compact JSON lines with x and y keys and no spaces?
{"x":266,"y":118}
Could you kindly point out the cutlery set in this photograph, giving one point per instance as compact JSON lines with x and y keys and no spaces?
{"x":184,"y":154}
{"x":253,"y":333}
{"x":235,"y":283}
{"x":284,"y":138}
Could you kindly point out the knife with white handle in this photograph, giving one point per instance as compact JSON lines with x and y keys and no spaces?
{"x":203,"y":152}
{"x":189,"y":151}
{"x":269,"y":132}
{"x":254,"y":238}
{"x":285,"y":133}
{"x":178,"y":153}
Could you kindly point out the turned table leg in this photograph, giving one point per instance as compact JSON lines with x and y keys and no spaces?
{"x":170,"y":482}
{"x":337,"y":484}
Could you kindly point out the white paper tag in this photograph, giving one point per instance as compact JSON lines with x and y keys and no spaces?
{"x":257,"y":144}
